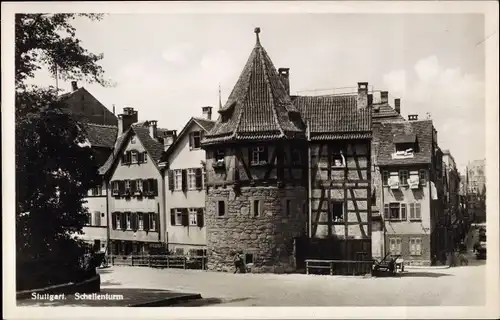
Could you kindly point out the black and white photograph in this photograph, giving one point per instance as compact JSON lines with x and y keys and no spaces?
{"x":172,"y":156}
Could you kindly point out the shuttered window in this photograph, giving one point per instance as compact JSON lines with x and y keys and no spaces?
{"x":191,"y":179}
{"x":193,"y":217}
{"x":415,"y":246}
{"x":395,"y":245}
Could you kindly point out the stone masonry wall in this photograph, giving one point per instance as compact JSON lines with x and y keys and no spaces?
{"x":269,"y":236}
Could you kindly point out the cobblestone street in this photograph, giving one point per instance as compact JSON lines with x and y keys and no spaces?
{"x":458,"y":286}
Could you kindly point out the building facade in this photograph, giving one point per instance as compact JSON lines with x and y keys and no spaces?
{"x":452,"y":206}
{"x":185,"y":188}
{"x":476,"y":190}
{"x":135,"y":193}
{"x":410,"y":164}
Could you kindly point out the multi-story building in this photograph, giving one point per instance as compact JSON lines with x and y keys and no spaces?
{"x":261,"y":194}
{"x":476,"y":190}
{"x":185,"y":187}
{"x":101,"y":131}
{"x":135,"y":192}
{"x":410,"y":163}
{"x":451,"y":191}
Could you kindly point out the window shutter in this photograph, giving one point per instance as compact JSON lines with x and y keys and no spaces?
{"x":386,"y":211}
{"x":133,"y":186}
{"x":417,"y":211}
{"x":121,"y":187}
{"x":184,"y":180}
{"x":124,"y":158}
{"x":144,"y":157}
{"x":123,"y":220}
{"x":113,"y":220}
{"x":191,"y":140}
{"x":132,"y":221}
{"x":145,"y":219}
{"x":185,"y":217}
{"x":172,"y":217}
{"x":171,"y":180}
{"x":412,"y":211}
{"x":97,"y":218}
{"x":139,"y":157}
{"x":154,"y":186}
{"x":145,"y":186}
{"x":157,"y":220}
{"x":200,"y":217}
{"x":403,"y":211}
{"x":199,"y":179}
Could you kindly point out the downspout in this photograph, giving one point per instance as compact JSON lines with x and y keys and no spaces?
{"x":309,"y":177}
{"x":108,"y":226}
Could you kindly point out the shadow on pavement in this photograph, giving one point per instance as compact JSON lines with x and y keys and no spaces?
{"x":422,"y":275}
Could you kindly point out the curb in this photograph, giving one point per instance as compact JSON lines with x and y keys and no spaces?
{"x":428,"y":267}
{"x":169,"y":301}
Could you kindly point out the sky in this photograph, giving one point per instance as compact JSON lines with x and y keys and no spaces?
{"x":169,"y":66}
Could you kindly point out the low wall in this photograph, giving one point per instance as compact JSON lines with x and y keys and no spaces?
{"x":91,"y":285}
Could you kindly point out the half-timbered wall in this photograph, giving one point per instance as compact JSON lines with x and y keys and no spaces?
{"x":256,"y":208}
{"x":340,"y":194}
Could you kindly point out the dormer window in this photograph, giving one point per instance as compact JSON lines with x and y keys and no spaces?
{"x":134,"y":156}
{"x":405,"y":145}
{"x":195,"y":140}
{"x":258,"y":156}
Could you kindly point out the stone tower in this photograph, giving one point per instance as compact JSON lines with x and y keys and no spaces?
{"x":256,"y":172}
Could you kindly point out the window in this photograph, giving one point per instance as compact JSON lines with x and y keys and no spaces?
{"x":141,"y":221}
{"x":395,"y":245}
{"x":178,"y":217}
{"x":288,"y":207}
{"x":118,"y":220}
{"x":296,"y":157}
{"x":415,"y":246}
{"x":132,"y":140}
{"x":337,"y":209}
{"x":152,"y":221}
{"x":139,"y":186}
{"x":395,"y":211}
{"x":422,"y":175}
{"x":134,"y":156}
{"x":221,"y":208}
{"x":129,"y":220}
{"x":127,"y":186}
{"x":256,"y":207}
{"x":193,"y":216}
{"x":88,"y":222}
{"x":415,"y":213}
{"x":403,"y":177}
{"x":191,"y":174}
{"x":97,"y":191}
{"x":338,"y":160}
{"x":116,"y":187}
{"x":259,"y":155}
{"x":195,"y":140}
{"x":385,"y":178}
{"x":177,"y":179}
{"x":145,"y":157}
{"x":248,"y":258}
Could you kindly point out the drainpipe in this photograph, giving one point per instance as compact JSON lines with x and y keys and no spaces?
{"x":309,"y":177}
{"x":108,"y":232}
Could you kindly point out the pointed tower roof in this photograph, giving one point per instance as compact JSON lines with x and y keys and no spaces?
{"x":259,"y":107}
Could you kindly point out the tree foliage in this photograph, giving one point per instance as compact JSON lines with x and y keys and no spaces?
{"x":53,"y":170}
{"x":50,"y":40}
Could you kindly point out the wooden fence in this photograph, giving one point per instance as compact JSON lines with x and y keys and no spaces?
{"x":160,"y":261}
{"x":339,"y":267}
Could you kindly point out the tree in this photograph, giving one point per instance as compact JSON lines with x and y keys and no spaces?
{"x":53,"y":169}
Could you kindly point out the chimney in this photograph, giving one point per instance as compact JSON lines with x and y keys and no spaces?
{"x":207,"y":112}
{"x":169,"y":138}
{"x":285,"y":78}
{"x":362,"y":99}
{"x":397,"y":105}
{"x":384,"y":96}
{"x":74,"y":85}
{"x":412,"y":117}
{"x":126,"y":119}
{"x":153,"y":129}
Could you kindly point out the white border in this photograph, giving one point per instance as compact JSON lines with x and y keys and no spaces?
{"x":488,"y":8}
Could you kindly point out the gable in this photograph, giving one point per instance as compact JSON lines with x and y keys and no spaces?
{"x":86,"y":108}
{"x":180,"y":155}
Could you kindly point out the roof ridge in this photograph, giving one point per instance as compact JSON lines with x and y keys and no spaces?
{"x":203,"y":119}
{"x":101,"y":125}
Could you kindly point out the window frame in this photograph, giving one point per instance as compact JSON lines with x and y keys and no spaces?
{"x":220,"y":154}
{"x":218,"y":207}
{"x":193,"y":212}
{"x":132,"y":139}
{"x":134,"y":157}
{"x":415,"y":207}
{"x":403,"y":181}
{"x":178,"y":216}
{"x":193,"y":136}
{"x":413,"y":241}
{"x":128,"y":219}
{"x":139,"y":186}
{"x":259,"y":154}
{"x":177,"y":179}
{"x":140,"y":221}
{"x":422,"y":177}
{"x":398,"y":243}
{"x":118,"y":220}
{"x":191,"y":175}
{"x":338,"y":156}
{"x":152,"y":221}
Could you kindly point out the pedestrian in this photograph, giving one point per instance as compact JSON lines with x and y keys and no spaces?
{"x":238,"y":261}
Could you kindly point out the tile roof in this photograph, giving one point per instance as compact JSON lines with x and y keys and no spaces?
{"x":422,"y":129}
{"x":384,"y":111}
{"x":154,"y":148}
{"x":101,"y":135}
{"x":205,"y":124}
{"x":258,"y":103}
{"x":337,"y":115}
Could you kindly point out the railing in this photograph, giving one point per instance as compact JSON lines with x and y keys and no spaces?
{"x":340,"y":267}
{"x":160,"y":261}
